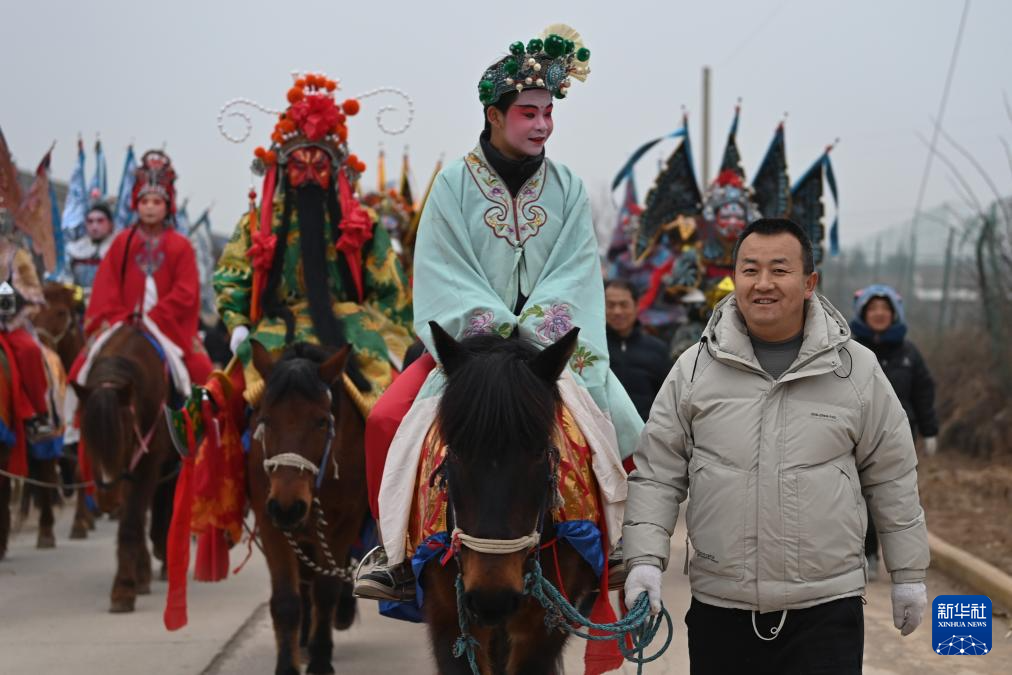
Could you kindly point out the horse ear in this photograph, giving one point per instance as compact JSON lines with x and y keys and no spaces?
{"x":449,"y":351}
{"x":549,"y":364}
{"x":332,"y":369}
{"x":82,"y":391}
{"x":262,"y":360}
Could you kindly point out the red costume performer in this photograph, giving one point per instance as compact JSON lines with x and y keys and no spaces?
{"x":151,"y":274}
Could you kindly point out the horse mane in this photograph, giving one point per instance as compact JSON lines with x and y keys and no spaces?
{"x":297,"y":372}
{"x":495,"y":403}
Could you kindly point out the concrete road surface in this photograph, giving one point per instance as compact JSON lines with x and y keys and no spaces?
{"x":53,"y":619}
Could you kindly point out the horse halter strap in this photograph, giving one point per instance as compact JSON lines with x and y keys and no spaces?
{"x":527,"y":542}
{"x":294,"y":460}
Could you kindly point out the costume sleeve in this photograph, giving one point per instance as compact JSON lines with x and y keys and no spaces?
{"x":177,"y":310}
{"x":570,"y":292}
{"x":233,"y":278}
{"x":887,"y":465}
{"x":106,"y":305}
{"x":660,"y":482}
{"x":385,"y":284}
{"x":923,"y":395}
{"x":450,"y":286}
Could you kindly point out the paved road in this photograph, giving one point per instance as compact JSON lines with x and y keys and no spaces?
{"x":53,"y":619}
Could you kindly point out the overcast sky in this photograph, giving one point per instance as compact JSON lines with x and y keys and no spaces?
{"x":868,"y":71}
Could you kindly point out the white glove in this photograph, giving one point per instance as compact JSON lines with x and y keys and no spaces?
{"x":931,"y":445}
{"x":909,"y":602}
{"x":644,"y":578}
{"x":239,"y":334}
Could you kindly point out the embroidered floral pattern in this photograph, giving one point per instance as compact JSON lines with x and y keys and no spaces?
{"x":482,"y":322}
{"x":583,"y":358}
{"x":556,"y":320}
{"x":516,"y":226}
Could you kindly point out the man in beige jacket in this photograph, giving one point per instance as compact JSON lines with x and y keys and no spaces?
{"x":777,"y":423}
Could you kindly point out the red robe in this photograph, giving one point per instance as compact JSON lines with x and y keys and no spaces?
{"x":119,"y":292}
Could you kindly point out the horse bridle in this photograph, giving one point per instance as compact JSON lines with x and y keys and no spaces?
{"x":143,"y":442}
{"x":55,"y":339}
{"x":529,"y":542}
{"x":294,"y":460}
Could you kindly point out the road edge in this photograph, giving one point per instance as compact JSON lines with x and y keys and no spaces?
{"x":235,"y":640}
{"x":971,"y":570}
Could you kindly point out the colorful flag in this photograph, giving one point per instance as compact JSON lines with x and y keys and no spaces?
{"x":406,"y":193}
{"x":10,"y":189}
{"x":99,"y":182}
{"x":39,"y":218}
{"x":76,"y":207}
{"x":124,"y":214}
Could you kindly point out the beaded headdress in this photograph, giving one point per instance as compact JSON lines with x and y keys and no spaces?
{"x":549,"y":62}
{"x":155,"y":175}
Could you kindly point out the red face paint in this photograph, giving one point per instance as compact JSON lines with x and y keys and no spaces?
{"x":308,"y":165}
{"x":529,"y":122}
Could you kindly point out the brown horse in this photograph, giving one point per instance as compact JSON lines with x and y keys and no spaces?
{"x":128,"y":445}
{"x":308,"y":512}
{"x":497,"y":416}
{"x":43,"y":470}
{"x":58,"y":325}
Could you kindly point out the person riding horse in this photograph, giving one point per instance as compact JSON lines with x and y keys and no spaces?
{"x":505,"y":247}
{"x":312,"y":265}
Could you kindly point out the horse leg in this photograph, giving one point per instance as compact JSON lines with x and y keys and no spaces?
{"x":347,"y":606}
{"x":46,"y":472}
{"x":5,"y":514}
{"x":83,"y":518}
{"x":306,"y":596}
{"x":161,"y":518}
{"x":286,"y":602}
{"x":129,"y":544}
{"x":325,"y":591}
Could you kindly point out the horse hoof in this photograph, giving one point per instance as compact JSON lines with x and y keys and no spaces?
{"x":45,"y":541}
{"x":345,"y":614}
{"x":121,"y":606}
{"x":143,"y":588}
{"x":78,"y":532}
{"x":290,"y":670}
{"x":319,"y":668}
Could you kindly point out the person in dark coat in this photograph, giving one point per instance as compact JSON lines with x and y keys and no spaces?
{"x":880,"y":325}
{"x":640,"y":361}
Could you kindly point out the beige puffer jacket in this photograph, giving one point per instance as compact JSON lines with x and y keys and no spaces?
{"x":776,"y":469}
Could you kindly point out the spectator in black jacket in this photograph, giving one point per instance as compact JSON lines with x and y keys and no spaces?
{"x":640,"y":361}
{"x":879,"y":324}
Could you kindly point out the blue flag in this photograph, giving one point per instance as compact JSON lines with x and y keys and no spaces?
{"x":76,"y":206}
{"x":99,"y":182}
{"x":124,"y":214}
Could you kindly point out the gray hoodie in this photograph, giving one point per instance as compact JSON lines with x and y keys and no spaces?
{"x":776,"y":469}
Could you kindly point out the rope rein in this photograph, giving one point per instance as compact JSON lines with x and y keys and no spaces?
{"x":345,"y":573}
{"x":633,"y":633}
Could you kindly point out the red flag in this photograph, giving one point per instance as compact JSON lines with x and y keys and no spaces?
{"x":10,"y":190}
{"x":35,"y":215}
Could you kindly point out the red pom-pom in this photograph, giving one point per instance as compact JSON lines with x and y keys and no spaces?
{"x":342,"y":132}
{"x":330,"y":85}
{"x":300,"y":83}
{"x":260,"y":153}
{"x":311,"y":80}
{"x":351,"y":106}
{"x":276,"y":136}
{"x":270,"y":157}
{"x":360,"y":167}
{"x":295,"y":95}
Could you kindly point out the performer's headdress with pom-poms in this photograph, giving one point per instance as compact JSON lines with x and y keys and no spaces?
{"x":313,"y":117}
{"x":155,"y":175}
{"x":550,"y":62}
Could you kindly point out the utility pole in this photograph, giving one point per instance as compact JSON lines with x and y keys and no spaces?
{"x":706,"y":126}
{"x":945,"y":282}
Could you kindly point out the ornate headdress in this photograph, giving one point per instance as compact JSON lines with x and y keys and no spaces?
{"x":155,"y":175}
{"x":546,"y":62}
{"x":313,"y":117}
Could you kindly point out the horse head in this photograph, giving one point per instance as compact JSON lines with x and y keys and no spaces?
{"x":295,"y":426}
{"x":57,"y":322}
{"x":108,"y":417}
{"x":497,"y":417}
